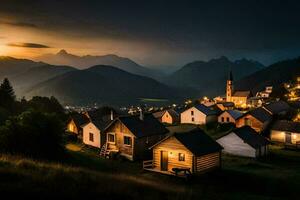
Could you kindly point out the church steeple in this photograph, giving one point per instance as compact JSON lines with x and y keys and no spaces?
{"x":229,"y":86}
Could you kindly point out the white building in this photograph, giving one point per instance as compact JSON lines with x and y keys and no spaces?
{"x":198,"y":114}
{"x":244,"y":141}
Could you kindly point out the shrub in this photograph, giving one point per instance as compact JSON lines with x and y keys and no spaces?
{"x":33,"y":134}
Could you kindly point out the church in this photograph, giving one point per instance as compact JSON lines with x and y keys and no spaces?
{"x":238,"y":97}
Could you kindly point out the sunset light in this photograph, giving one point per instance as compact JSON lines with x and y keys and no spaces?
{"x":160,"y":99}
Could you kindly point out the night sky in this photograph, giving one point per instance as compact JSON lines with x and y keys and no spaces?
{"x":152,"y":32}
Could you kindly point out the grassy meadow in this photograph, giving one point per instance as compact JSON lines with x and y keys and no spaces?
{"x":84,"y":174}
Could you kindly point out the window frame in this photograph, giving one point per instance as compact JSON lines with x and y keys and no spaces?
{"x":130,"y":139}
{"x":91,"y":137}
{"x":181,"y":157}
{"x":114,"y":136}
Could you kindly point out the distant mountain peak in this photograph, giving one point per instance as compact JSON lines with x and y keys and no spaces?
{"x":62,"y":52}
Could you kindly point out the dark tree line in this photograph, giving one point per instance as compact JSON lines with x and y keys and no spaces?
{"x":33,"y":128}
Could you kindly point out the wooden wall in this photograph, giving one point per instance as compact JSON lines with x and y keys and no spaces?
{"x":257,"y":125}
{"x":167,"y":118}
{"x":208,"y":162}
{"x":173,"y":147}
{"x":120,"y":130}
{"x":71,"y":127}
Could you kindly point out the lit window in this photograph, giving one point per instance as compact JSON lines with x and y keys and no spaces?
{"x":91,"y":137}
{"x":111,"y":138}
{"x":181,"y":157}
{"x":127,"y":140}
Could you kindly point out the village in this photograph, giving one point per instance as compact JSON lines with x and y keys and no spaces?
{"x":194,"y":138}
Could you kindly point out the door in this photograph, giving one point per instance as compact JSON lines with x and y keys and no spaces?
{"x":164,"y":161}
{"x":288,"y":138}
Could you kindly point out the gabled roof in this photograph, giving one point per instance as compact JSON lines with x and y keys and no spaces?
{"x":173,"y":113}
{"x":261,"y":114}
{"x":99,"y":119}
{"x":235,"y":114}
{"x":277,"y":107}
{"x":251,"y":137}
{"x":79,"y":119}
{"x":242,"y":93}
{"x":196,"y":141}
{"x":284,"y":125}
{"x":142,"y":128}
{"x":204,"y":109}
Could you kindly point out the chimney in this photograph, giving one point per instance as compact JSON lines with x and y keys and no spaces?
{"x":141,"y":114}
{"x":111,"y":115}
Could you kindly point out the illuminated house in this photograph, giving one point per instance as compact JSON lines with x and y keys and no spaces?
{"x":198,"y":114}
{"x":169,"y":116}
{"x":192,"y":151}
{"x":131,"y":136}
{"x":245,"y":142}
{"x":93,"y":130}
{"x":238,"y":97}
{"x":286,"y":132}
{"x":258,"y":119}
{"x":229,"y":116}
{"x":75,"y":122}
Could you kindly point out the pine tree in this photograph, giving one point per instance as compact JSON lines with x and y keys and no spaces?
{"x":7,"y":94}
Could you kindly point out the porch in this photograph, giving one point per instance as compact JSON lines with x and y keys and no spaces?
{"x":148,"y":165}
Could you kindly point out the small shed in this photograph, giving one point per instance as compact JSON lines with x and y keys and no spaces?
{"x":192,"y":151}
{"x":244,"y":141}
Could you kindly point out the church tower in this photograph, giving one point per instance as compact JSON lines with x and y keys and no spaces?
{"x":229,"y":87}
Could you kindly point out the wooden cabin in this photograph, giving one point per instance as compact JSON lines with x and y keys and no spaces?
{"x":75,"y":122}
{"x":229,"y":116}
{"x":198,"y":114}
{"x":131,"y":136}
{"x":244,"y":141}
{"x":258,"y":119}
{"x":169,"y":116}
{"x":192,"y":151}
{"x":286,"y":132}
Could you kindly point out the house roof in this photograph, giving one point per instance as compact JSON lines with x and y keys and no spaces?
{"x":251,"y":137}
{"x":277,"y":107}
{"x":284,"y":125}
{"x":235,"y":114}
{"x":173,"y":113}
{"x":142,"y":128}
{"x":241,"y":93}
{"x":99,"y":119}
{"x":204,"y":109}
{"x":79,"y":119}
{"x":261,"y":114}
{"x":196,"y":141}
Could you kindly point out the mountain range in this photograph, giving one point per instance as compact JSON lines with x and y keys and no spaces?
{"x":83,"y":62}
{"x":112,"y":85}
{"x":210,"y":77}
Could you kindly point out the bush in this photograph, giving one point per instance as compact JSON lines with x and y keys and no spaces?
{"x":33,"y":134}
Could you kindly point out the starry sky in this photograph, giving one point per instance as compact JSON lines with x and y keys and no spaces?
{"x":152,"y":32}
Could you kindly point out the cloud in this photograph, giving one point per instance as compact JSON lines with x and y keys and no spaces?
{"x":19,"y":24}
{"x":28,"y":45}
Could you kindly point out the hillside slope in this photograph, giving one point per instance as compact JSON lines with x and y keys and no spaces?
{"x":103,"y":84}
{"x":274,"y":75}
{"x":210,"y":77}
